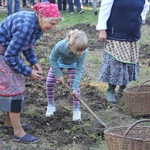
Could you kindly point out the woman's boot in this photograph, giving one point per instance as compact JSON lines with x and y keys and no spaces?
{"x":120,"y":91}
{"x":111,"y":93}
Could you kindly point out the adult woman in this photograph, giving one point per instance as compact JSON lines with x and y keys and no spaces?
{"x":119,"y":26}
{"x":18,"y":33}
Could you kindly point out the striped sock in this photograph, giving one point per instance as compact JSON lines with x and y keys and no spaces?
{"x":76,"y":105}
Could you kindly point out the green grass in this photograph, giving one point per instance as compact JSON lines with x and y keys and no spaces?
{"x":87,"y":17}
{"x":3,"y":15}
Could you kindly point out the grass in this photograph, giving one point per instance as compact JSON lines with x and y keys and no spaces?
{"x":3,"y":15}
{"x":87,"y":17}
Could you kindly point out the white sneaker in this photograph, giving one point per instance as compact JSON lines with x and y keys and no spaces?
{"x":76,"y":115}
{"x":50,"y":111}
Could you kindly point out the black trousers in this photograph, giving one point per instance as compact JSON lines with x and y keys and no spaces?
{"x":24,"y":3}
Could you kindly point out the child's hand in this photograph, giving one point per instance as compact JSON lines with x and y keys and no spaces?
{"x":74,"y":93}
{"x":60,"y":79}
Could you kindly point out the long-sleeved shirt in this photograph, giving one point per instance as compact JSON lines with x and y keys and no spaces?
{"x":105,"y":10}
{"x":61,"y":55}
{"x":18,"y":33}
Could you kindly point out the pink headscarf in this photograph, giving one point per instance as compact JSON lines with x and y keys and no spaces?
{"x":47,"y":9}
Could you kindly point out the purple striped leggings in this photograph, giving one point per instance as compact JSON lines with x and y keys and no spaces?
{"x":50,"y":87}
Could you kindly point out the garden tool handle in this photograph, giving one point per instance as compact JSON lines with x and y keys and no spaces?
{"x":135,"y":123}
{"x":87,"y":107}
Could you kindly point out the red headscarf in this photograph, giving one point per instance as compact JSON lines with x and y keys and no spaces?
{"x":47,"y":9}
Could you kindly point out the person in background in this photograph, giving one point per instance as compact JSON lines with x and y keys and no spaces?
{"x":94,"y":4}
{"x":78,"y":5}
{"x":85,"y":2}
{"x":10,"y":6}
{"x":69,"y":53}
{"x":18,"y":33}
{"x":24,"y":4}
{"x":1,"y":4}
{"x":52,"y":1}
{"x":60,"y":3}
{"x":119,"y":24}
{"x":4,"y":3}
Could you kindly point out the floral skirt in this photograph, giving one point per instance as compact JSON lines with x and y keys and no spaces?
{"x":116,"y":72}
{"x":127,"y":52}
{"x":12,"y":86}
{"x":11,"y":83}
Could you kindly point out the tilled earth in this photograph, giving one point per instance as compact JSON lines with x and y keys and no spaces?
{"x":59,"y":132}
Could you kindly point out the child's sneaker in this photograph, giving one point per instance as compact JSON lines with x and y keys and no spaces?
{"x":76,"y":115}
{"x":50,"y":111}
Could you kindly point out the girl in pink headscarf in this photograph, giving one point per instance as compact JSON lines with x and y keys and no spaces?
{"x":18,"y":33}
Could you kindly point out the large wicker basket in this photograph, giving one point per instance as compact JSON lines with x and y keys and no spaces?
{"x":137,"y":100}
{"x":128,"y":138}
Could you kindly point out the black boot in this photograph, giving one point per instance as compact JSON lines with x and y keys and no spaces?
{"x":111,"y":93}
{"x":120,"y":91}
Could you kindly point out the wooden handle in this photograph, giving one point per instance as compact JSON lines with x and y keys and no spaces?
{"x":87,"y":107}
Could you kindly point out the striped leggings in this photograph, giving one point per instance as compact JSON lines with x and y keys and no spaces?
{"x":50,"y":87}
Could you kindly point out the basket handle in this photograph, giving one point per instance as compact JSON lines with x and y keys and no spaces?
{"x":135,"y":123}
{"x":141,"y":85}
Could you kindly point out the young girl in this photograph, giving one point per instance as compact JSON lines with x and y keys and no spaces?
{"x":68,"y":53}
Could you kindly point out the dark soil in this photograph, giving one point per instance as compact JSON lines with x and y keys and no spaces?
{"x":59,"y":132}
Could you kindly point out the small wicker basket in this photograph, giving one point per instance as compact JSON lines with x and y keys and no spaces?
{"x":137,"y":100}
{"x":123,"y":138}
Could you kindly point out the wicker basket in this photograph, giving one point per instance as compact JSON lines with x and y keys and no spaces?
{"x":137,"y":100}
{"x":128,"y":138}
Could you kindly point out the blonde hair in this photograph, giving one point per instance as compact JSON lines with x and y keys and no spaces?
{"x":78,"y":40}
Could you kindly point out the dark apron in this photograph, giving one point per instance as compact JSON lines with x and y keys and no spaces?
{"x":11,"y":82}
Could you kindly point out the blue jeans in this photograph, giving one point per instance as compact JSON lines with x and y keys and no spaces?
{"x":77,"y":3}
{"x":0,"y":2}
{"x":16,"y":6}
{"x":94,"y":5}
{"x":60,"y":3}
{"x":32,"y":2}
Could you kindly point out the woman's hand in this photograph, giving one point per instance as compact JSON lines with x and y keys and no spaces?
{"x":35,"y":75}
{"x":60,"y":79}
{"x":102,"y":35}
{"x":37,"y":67}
